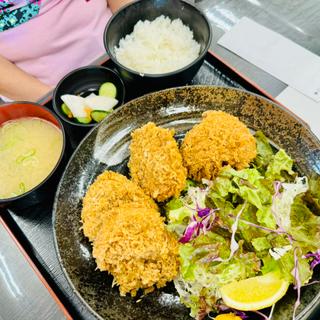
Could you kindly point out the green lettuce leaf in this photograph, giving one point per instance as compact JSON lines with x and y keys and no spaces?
{"x":261,"y":244}
{"x":186,"y":265}
{"x":189,"y":183}
{"x":202,"y":249}
{"x":312,"y":196}
{"x":285,"y":266}
{"x":279,"y":165}
{"x":264,"y":151}
{"x":305,"y":273}
{"x":173,"y":204}
{"x":221,"y":187}
{"x":178,"y":219}
{"x":246,"y":232}
{"x":305,"y":226}
{"x":247,"y":185}
{"x":265,"y":217}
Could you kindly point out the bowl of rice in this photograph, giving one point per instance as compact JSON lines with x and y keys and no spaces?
{"x":157,"y":44}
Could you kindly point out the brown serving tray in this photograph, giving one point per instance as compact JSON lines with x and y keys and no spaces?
{"x":33,"y":226}
{"x":25,"y":293}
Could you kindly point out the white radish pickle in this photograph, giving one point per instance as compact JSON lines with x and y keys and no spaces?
{"x":76,"y":104}
{"x":101,"y":103}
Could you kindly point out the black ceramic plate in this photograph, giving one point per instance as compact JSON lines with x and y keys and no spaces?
{"x":106,"y":147}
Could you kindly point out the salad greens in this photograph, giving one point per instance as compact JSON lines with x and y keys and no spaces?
{"x":243,"y":224}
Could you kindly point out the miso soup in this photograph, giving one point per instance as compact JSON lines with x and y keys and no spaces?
{"x":29,"y":150}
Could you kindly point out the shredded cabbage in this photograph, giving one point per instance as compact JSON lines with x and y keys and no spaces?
{"x":282,"y":201}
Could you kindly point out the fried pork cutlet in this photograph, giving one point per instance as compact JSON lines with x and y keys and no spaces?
{"x":156,"y":163}
{"x":220,"y":139}
{"x":136,"y":248}
{"x":110,"y":190}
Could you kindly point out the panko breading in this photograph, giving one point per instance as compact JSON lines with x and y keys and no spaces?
{"x":220,"y":139}
{"x":156,"y":163}
{"x":110,"y":190}
{"x":137,"y":249}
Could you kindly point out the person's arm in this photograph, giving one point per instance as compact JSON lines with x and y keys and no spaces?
{"x":114,"y":5}
{"x":18,"y":85}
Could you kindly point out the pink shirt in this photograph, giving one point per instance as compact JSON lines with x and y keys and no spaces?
{"x":66,"y":34}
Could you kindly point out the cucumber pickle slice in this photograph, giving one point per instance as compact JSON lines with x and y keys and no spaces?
{"x":108,"y":89}
{"x":98,"y":115}
{"x":84,"y":120}
{"x":66,"y":110}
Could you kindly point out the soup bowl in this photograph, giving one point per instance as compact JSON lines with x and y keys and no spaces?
{"x":19,"y":110}
{"x":122,"y":24}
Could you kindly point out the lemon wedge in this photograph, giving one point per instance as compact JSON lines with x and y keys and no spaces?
{"x":229,"y":316}
{"x":254,"y":293}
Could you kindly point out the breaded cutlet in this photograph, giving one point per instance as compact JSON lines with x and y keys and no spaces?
{"x":156,"y":163}
{"x":219,"y":139}
{"x":137,"y":249}
{"x":110,"y":190}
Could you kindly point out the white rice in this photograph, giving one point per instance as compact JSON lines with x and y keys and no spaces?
{"x":158,"y":46}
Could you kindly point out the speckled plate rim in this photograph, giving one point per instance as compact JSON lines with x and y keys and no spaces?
{"x":303,"y":315}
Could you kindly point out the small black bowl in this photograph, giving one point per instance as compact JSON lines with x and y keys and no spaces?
{"x":84,"y":81}
{"x":122,"y":23}
{"x":41,"y":192}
